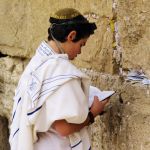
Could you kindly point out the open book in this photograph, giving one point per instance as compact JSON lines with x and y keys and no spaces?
{"x":102,"y":95}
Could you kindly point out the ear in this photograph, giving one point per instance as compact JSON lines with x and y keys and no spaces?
{"x":71,"y":36}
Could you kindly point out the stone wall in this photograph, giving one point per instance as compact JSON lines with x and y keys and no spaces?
{"x":121,"y":42}
{"x":133,"y":19}
{"x":4,"y":145}
{"x":125,"y":125}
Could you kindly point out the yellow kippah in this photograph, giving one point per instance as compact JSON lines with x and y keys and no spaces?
{"x":66,"y":13}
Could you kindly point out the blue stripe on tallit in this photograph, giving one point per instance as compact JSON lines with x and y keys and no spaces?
{"x":13,"y":115}
{"x":68,"y":75}
{"x":56,"y":78}
{"x":48,"y":90}
{"x":39,"y":91}
{"x":76,"y":144}
{"x":45,"y":49}
{"x":19,"y":100}
{"x":37,"y":109}
{"x":16,"y":109}
{"x":40,"y":65}
{"x":15,"y":132}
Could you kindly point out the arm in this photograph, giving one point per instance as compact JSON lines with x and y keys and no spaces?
{"x":64,"y":128}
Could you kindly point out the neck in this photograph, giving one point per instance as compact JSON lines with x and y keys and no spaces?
{"x":54,"y":45}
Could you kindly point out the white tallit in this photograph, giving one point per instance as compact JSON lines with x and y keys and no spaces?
{"x":46,"y":72}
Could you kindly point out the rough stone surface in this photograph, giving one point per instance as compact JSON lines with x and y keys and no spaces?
{"x":125,"y":125}
{"x":4,"y":145}
{"x":10,"y":71}
{"x":134,"y":29}
{"x":27,"y":23}
{"x":121,"y":41}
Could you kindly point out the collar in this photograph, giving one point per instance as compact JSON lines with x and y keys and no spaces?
{"x":46,"y":50}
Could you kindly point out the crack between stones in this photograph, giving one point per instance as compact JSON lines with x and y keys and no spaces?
{"x":117,"y":49}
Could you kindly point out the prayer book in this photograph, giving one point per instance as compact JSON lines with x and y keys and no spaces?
{"x":102,"y":95}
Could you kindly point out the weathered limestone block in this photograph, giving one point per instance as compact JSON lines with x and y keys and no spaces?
{"x":14,"y":28}
{"x":10,"y":71}
{"x":24,"y":24}
{"x":125,"y":125}
{"x":134,"y":127}
{"x":4,"y":145}
{"x":98,"y":52}
{"x":134,"y":29}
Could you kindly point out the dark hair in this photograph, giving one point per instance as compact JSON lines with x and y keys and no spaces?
{"x":60,"y":28}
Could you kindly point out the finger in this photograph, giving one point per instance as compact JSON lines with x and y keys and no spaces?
{"x":105,"y":102}
{"x":96,"y":98}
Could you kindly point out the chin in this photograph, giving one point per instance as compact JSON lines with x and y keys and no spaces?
{"x":71,"y":58}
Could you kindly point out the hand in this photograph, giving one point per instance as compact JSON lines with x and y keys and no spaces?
{"x":105,"y":101}
{"x":98,"y":106}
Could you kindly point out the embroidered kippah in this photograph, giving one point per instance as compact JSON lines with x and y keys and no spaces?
{"x":70,"y":16}
{"x":66,"y":13}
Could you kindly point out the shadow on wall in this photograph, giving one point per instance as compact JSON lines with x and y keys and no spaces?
{"x":4,"y":134}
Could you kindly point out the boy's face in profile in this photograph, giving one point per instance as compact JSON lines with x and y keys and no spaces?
{"x":73,"y":48}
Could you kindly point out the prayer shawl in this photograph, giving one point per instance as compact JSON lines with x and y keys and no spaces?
{"x":46,"y":72}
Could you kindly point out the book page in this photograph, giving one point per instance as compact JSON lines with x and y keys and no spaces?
{"x":102,"y":95}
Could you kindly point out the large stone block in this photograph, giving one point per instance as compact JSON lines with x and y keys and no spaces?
{"x":10,"y":71}
{"x":125,"y":125}
{"x":24,"y":24}
{"x":4,"y":133}
{"x":14,"y":28}
{"x":134,"y":29}
{"x":98,"y":52}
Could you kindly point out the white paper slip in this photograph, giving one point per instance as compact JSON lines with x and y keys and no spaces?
{"x":102,"y":95}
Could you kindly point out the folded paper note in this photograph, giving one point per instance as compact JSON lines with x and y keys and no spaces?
{"x":102,"y":95}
